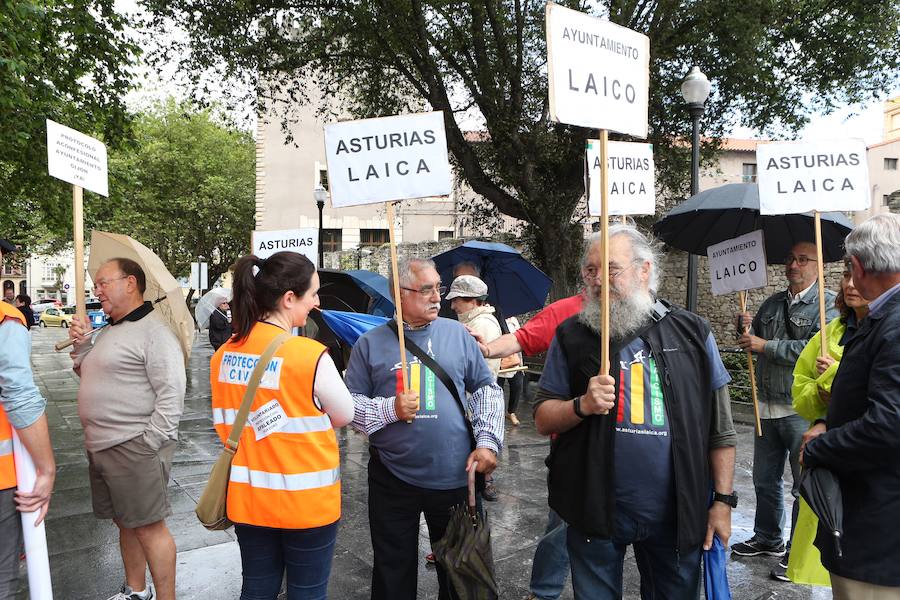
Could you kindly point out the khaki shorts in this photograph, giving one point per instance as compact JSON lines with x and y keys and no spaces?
{"x":128,"y":482}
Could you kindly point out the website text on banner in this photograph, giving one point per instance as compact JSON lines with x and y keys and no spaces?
{"x":303,"y":241}
{"x":631,"y":187}
{"x":599,"y":72}
{"x":387,"y":159}
{"x":738,"y":265}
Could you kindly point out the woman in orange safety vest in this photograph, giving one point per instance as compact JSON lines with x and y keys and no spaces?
{"x":284,"y":493}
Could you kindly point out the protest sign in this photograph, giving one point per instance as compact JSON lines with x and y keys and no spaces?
{"x":738,"y":264}
{"x":631,"y":178}
{"x":823,"y":176}
{"x":76,"y":158}
{"x":391,"y":158}
{"x":599,"y":72}
{"x":303,"y":241}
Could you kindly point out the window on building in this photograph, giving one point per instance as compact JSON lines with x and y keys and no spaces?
{"x":47,"y":274}
{"x":445,"y":234}
{"x":890,"y":164}
{"x":373,"y":237}
{"x":748,"y":173}
{"x":331,"y":240}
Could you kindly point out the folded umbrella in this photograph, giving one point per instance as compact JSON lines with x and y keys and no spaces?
{"x":348,"y":326}
{"x":355,"y":291}
{"x":731,"y":210}
{"x":208,"y":303}
{"x":162,"y":289}
{"x":715,"y":576}
{"x":822,"y":492}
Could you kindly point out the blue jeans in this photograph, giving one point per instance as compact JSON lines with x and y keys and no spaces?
{"x":597,"y":563}
{"x":780,"y":440}
{"x":304,"y":553}
{"x":551,"y":560}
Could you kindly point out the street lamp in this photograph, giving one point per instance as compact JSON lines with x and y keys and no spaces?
{"x":320,"y":194}
{"x":695,"y":91}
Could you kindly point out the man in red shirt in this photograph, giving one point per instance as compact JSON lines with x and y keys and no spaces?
{"x":536,"y":335}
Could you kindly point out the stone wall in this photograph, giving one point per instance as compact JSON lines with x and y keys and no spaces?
{"x":719,"y":310}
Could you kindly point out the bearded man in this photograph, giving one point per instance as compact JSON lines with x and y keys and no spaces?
{"x":639,"y":452}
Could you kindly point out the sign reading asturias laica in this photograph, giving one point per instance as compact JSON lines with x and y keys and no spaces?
{"x":631,"y":182}
{"x":798,"y":177}
{"x":386,"y":159}
{"x":599,"y":72}
{"x":738,"y":264}
{"x":302,"y":241}
{"x":76,"y":158}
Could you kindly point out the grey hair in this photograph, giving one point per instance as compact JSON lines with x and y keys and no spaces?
{"x":876,"y":243}
{"x":470,"y":264}
{"x":405,"y":267}
{"x":643,"y":247}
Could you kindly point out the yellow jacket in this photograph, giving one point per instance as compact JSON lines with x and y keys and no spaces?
{"x":807,"y":381}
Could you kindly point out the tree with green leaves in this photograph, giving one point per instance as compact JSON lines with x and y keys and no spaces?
{"x":69,"y":61}
{"x":186,"y":188}
{"x":773,"y":63}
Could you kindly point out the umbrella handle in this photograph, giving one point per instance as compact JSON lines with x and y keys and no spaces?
{"x":471,"y":502}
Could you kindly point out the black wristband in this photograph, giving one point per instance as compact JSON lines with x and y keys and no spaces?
{"x":576,"y":406}
{"x":817,"y":421}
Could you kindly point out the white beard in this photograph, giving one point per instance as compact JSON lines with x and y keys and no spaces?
{"x":625,"y":316}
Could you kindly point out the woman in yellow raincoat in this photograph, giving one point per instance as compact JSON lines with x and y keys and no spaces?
{"x":813,"y":375}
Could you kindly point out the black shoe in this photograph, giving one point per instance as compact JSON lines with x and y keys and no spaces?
{"x":779,"y":572}
{"x":490,"y":492}
{"x":754,"y":547}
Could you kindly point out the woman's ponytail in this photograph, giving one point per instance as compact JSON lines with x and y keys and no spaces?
{"x":245,"y":310}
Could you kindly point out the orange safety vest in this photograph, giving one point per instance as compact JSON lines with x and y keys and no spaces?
{"x":290,"y":478}
{"x":7,"y":464}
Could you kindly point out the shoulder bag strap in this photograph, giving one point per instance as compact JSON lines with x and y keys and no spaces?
{"x":240,"y":419}
{"x":439,"y":372}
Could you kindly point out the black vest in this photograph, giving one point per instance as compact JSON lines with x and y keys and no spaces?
{"x":581,"y":484}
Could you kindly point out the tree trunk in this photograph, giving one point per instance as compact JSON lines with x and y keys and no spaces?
{"x":557,"y":249}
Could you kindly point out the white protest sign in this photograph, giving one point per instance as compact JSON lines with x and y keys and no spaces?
{"x":631,"y":185}
{"x":738,"y":264}
{"x":599,"y":72}
{"x":76,"y":158}
{"x":303,"y":241}
{"x":200,"y":275}
{"x":799,"y":177}
{"x":386,"y":159}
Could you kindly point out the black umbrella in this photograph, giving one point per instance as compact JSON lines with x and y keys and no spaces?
{"x":821,"y":490}
{"x":732,"y":210}
{"x":465,"y":551}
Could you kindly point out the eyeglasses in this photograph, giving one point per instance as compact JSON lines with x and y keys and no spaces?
{"x":427,"y":292}
{"x":102,"y":283}
{"x":801,"y":261}
{"x":593,"y":273}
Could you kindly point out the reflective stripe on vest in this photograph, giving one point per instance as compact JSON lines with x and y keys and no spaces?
{"x":6,"y":447}
{"x":280,"y":481}
{"x":225,"y":416}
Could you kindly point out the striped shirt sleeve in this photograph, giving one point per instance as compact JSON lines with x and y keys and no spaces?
{"x":486,"y":405}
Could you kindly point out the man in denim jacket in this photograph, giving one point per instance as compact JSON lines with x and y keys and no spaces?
{"x":783,"y":325}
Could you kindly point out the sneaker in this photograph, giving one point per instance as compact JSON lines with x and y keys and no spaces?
{"x":490,"y":492}
{"x":779,"y":572}
{"x":513,"y":419}
{"x":429,"y":558}
{"x":754,"y":547}
{"x":126,"y":593}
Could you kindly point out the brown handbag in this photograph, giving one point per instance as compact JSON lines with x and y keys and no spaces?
{"x":211,"y":506}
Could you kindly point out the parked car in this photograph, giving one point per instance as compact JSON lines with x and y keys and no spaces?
{"x":43,"y":304}
{"x":95,"y":313}
{"x":57,"y":317}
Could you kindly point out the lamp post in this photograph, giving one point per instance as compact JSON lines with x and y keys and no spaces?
{"x":320,"y":193}
{"x":695,"y":91}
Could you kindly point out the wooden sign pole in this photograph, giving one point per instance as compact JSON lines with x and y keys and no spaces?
{"x":78,"y":240}
{"x":823,"y":346}
{"x":604,"y":241}
{"x":743,"y":297}
{"x":396,"y":279}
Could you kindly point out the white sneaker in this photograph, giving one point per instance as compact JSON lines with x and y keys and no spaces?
{"x":126,"y":593}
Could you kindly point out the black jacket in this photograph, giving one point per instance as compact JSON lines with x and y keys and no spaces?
{"x":219,"y":329}
{"x":862,"y":447}
{"x":581,"y":484}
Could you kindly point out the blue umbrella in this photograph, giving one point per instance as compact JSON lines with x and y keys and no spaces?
{"x":715,"y":577}
{"x":515,"y":286}
{"x":348,"y":326}
{"x":356,"y":291}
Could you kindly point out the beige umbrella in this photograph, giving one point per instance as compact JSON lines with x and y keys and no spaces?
{"x":162,"y":289}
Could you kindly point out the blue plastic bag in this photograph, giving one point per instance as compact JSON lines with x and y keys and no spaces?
{"x":715,"y":576}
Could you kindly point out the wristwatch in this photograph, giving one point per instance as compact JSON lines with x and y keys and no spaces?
{"x":730,"y":500}
{"x":576,"y":406}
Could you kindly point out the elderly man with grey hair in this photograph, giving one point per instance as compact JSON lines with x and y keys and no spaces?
{"x":861,"y":444}
{"x":637,"y":451}
{"x":420,"y":441}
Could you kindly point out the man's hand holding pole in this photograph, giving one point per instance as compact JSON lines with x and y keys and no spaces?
{"x":600,"y":397}
{"x":406,"y":405}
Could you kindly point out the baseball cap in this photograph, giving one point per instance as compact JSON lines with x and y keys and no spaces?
{"x":467,"y":286}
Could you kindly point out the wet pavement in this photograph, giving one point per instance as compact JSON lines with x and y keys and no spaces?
{"x":84,"y":553}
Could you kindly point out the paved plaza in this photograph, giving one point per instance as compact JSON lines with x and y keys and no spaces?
{"x":84,"y":552}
